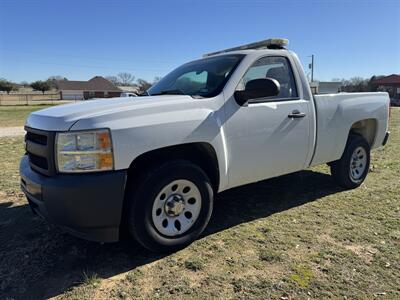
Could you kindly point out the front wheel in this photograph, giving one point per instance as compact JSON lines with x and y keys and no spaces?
{"x":170,"y":207}
{"x":352,"y":168}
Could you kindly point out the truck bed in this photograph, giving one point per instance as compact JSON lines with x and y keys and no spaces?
{"x":337,"y":114}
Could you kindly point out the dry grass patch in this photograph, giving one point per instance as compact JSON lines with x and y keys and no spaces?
{"x":11,"y":116}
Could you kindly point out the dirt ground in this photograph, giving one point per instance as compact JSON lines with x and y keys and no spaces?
{"x":11,"y":131}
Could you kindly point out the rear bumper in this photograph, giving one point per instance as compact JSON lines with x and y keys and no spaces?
{"x":86,"y":205}
{"x":386,"y":138}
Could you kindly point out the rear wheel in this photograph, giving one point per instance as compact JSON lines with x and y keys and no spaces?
{"x":352,"y":168}
{"x":170,"y":207}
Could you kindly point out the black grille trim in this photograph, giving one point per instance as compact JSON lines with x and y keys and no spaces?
{"x":38,"y":161}
{"x":40,"y":150}
{"x":37,"y":149}
{"x":37,"y":138}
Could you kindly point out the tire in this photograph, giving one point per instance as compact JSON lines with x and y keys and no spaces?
{"x":153,"y":201}
{"x":352,"y":168}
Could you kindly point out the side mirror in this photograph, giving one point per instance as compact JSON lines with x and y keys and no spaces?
{"x":258,"y":88}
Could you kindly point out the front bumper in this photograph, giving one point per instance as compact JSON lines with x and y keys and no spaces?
{"x":86,"y":205}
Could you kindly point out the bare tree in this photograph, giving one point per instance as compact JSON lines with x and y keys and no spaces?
{"x":355,"y":84}
{"x":359,"y":84}
{"x":142,"y":85}
{"x":114,"y":80}
{"x":57,"y":77}
{"x":156,"y":79}
{"x":52,"y":80}
{"x":126,"y":78}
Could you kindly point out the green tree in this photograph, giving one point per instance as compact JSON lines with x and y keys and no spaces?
{"x":42,"y":86}
{"x":7,"y":86}
{"x":372,"y":86}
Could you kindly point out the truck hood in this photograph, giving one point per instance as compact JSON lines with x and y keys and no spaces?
{"x":63,"y":117}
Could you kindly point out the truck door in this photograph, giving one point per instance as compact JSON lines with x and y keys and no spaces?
{"x":268,"y":137}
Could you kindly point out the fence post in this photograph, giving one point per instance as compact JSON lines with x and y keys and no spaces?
{"x":27,"y":101}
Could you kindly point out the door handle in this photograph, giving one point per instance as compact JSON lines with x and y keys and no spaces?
{"x":296,"y":114}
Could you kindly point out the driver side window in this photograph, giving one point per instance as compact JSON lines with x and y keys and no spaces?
{"x":275,"y":67}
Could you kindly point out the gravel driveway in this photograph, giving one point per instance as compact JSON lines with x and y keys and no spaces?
{"x":11,"y":131}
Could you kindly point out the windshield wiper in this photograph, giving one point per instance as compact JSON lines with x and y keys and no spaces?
{"x":169,"y":92}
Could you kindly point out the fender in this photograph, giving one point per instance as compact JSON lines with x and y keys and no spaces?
{"x":192,"y":123}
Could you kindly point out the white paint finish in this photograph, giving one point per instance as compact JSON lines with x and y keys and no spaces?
{"x":305,"y":93}
{"x":336,"y":114}
{"x":149,"y":123}
{"x":263,"y":142}
{"x":253,"y":142}
{"x":60,"y":118}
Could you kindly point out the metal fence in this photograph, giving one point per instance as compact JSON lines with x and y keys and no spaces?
{"x":30,"y":99}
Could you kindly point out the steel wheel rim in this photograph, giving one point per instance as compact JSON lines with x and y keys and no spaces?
{"x":358,"y":163}
{"x":176,"y":207}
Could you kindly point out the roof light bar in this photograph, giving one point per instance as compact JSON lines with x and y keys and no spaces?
{"x":274,"y":43}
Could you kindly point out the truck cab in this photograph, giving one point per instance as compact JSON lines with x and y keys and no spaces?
{"x":153,"y":165}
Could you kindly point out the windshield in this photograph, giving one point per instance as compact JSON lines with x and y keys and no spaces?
{"x":204,"y":77}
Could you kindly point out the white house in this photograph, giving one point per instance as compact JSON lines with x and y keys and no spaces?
{"x":325,"y":87}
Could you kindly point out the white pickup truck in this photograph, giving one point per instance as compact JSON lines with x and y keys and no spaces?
{"x":153,"y":165}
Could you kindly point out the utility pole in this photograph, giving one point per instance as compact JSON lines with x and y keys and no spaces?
{"x":311,"y":66}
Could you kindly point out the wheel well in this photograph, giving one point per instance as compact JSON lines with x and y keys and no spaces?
{"x":366,"y":128}
{"x":201,"y":154}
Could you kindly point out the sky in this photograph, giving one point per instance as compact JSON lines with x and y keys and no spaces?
{"x":82,"y":39}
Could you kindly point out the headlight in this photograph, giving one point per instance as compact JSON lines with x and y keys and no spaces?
{"x":84,"y":151}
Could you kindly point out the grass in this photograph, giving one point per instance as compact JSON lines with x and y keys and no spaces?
{"x":302,"y":275}
{"x":90,"y":278}
{"x":194,"y":265}
{"x":294,"y":237}
{"x":16,"y":115}
{"x":269,"y":255}
{"x":11,"y":151}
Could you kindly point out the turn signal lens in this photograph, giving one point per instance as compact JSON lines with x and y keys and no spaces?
{"x":104,"y":140}
{"x":106,"y":161}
